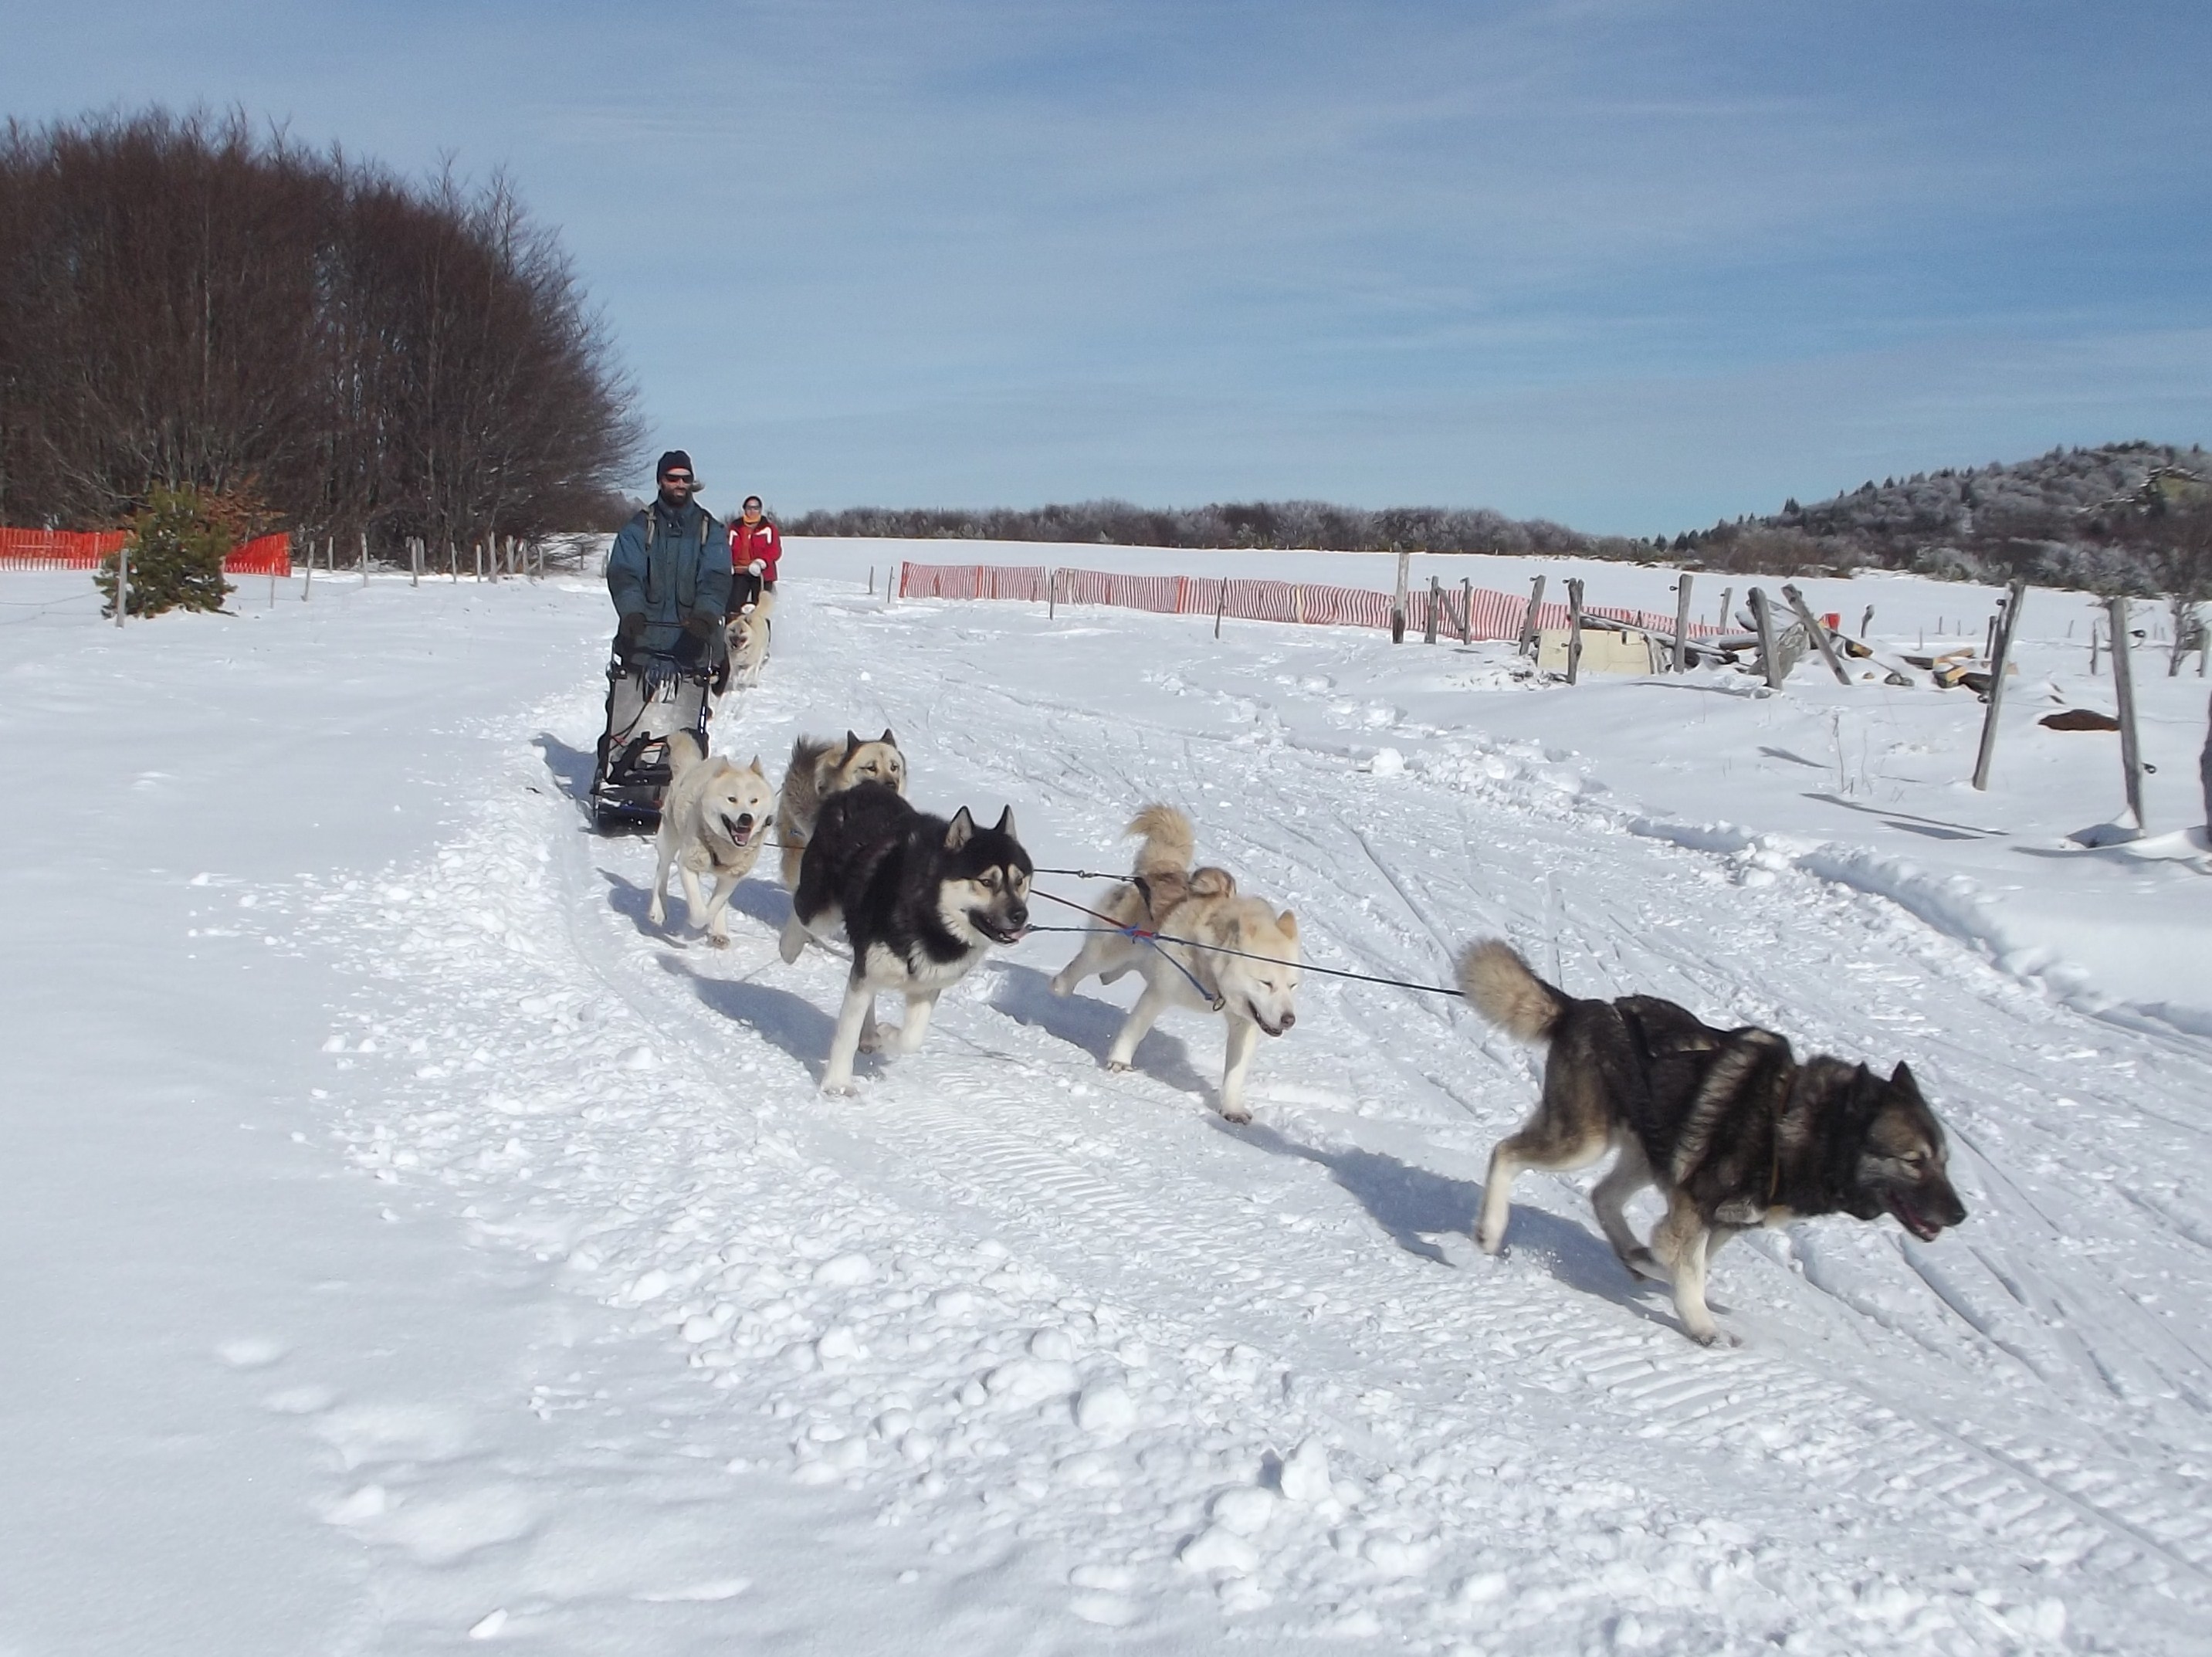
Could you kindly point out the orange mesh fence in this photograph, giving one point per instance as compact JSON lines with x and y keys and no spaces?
{"x":266,"y":554}
{"x":1478,"y":613}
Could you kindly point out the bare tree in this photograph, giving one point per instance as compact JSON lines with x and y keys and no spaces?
{"x":184,"y":302}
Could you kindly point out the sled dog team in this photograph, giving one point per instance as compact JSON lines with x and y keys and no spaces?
{"x":1733,"y":1130}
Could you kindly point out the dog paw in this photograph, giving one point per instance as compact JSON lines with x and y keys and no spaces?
{"x":844,"y":1090}
{"x":1715,"y":1338}
{"x":718,"y":940}
{"x":1063,"y":991}
{"x":878,"y":1040}
{"x":1489,"y":1244}
{"x":657,"y":915}
{"x":1118,"y":1066}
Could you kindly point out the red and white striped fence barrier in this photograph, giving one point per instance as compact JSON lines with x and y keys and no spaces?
{"x":1486,"y":614}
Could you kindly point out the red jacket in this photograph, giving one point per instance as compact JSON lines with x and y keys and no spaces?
{"x":761,"y":541}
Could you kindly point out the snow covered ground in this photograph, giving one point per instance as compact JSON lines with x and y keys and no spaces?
{"x":412,"y":1248}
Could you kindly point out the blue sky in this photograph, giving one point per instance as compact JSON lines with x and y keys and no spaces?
{"x":1633,"y":266}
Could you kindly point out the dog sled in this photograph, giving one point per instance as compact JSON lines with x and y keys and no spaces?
{"x":649,"y":698}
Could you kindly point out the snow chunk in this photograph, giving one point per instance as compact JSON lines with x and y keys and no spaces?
{"x":850,"y":1270}
{"x":1023,"y":1379}
{"x":1305,"y":1475}
{"x":1105,"y":1408}
{"x":1217,"y":1548}
{"x":1387,"y":763}
{"x":1244,"y":1511}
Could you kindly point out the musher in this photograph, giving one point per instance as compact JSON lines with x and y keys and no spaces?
{"x":669,"y":576}
{"x":755,"y":545}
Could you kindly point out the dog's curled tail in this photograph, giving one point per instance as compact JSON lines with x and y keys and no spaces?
{"x":1168,"y":842}
{"x":684,"y":753}
{"x":1500,"y":986}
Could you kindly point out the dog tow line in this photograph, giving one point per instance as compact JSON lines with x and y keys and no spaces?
{"x":1156,"y":939}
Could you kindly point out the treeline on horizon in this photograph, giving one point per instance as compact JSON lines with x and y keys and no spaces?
{"x":2132,"y":517}
{"x":186,"y":301}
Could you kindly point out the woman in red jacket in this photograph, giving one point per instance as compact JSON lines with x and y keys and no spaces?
{"x":755,"y":545}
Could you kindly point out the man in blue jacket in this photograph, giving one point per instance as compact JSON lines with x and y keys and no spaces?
{"x":669,"y":575}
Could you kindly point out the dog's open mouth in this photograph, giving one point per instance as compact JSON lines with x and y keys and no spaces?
{"x":1909,"y":1218}
{"x":995,"y":930}
{"x":1260,"y":1018}
{"x":740,"y":834}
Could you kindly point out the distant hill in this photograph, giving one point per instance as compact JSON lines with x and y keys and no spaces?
{"x":2126,"y":518}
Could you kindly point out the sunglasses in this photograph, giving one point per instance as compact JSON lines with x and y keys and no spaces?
{"x":675,"y":477}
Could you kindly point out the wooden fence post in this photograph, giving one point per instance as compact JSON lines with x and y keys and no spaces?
{"x":307,"y":578}
{"x":1466,"y":609}
{"x":1220,"y":603}
{"x":1997,"y":658}
{"x":1682,"y":622}
{"x":1765,"y":621}
{"x":1429,"y":627}
{"x":1398,"y":597}
{"x":414,"y":561}
{"x":1574,"y":629}
{"x":364,"y":558}
{"x":2205,"y":773}
{"x":453,"y":558}
{"x":1815,"y":631}
{"x":1727,"y":593}
{"x":122,"y":581}
{"x":1526,"y":645}
{"x":2123,"y":686}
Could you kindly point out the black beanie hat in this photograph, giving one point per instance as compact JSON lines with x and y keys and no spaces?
{"x":675,"y":460}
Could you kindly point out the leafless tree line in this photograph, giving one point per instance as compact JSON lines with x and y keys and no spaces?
{"x":184,"y":301}
{"x":1257,"y":525}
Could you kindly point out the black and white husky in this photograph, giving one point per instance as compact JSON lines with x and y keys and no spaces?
{"x":918,"y":898}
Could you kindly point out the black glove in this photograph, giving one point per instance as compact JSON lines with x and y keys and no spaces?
{"x":629,"y":629}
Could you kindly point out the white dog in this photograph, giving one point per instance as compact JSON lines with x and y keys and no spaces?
{"x":713,"y":820}
{"x":1249,"y":975}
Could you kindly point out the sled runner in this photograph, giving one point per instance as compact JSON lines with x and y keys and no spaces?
{"x":648,"y":700}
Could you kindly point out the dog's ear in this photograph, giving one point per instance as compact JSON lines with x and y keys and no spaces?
{"x":887,"y":739}
{"x":1901,"y":1078}
{"x":757,"y":770}
{"x":1289,"y":923}
{"x":960,"y":831}
{"x":1006,"y":824}
{"x":852,"y":744}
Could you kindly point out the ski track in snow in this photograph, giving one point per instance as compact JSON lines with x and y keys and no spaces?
{"x":1015,"y":1304}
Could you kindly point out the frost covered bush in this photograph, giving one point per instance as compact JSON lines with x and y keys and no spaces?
{"x":177,"y":544}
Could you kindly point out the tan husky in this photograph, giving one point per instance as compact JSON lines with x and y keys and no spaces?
{"x":820,"y":768}
{"x":713,"y":821}
{"x":1249,"y":975}
{"x":745,"y":635}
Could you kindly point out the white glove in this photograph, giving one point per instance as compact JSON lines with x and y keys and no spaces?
{"x":757,"y":567}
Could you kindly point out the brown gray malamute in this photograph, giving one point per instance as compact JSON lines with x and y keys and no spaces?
{"x":1733,"y":1131}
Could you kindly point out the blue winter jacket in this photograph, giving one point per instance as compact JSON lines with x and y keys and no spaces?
{"x":668,"y":564}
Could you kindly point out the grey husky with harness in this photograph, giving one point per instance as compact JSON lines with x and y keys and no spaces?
{"x":1217,"y":952}
{"x":1733,"y":1131}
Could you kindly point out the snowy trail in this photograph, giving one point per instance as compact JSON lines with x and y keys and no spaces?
{"x":1056,"y":1321}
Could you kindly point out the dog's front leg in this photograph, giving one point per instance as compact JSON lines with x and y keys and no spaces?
{"x":1087,"y":961}
{"x":1243,"y":1037}
{"x":657,"y":914}
{"x":1685,"y":1242}
{"x":859,"y":1011}
{"x":1142,"y":1017}
{"x":1497,"y":1198}
{"x":695,"y":901}
{"x":918,"y":1010}
{"x":717,"y":908}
